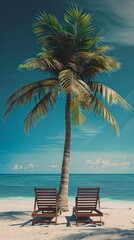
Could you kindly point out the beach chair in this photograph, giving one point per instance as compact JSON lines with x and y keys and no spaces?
{"x":87,"y":205}
{"x":45,"y":206}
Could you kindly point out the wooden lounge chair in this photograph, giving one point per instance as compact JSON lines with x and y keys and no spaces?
{"x":45,"y":206}
{"x":87,"y":205}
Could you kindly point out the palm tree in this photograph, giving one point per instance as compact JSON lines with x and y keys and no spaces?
{"x":73,"y":56}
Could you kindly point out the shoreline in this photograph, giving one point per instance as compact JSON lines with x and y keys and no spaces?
{"x":70,"y":199}
{"x":27,"y":203}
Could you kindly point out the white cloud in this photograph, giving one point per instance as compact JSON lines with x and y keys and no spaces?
{"x":106,"y":163}
{"x":17,"y":167}
{"x":31,"y":166}
{"x":125,"y":164}
{"x":81,"y":162}
{"x":54,"y":167}
{"x":94,"y":163}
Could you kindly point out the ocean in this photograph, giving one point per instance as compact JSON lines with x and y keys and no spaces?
{"x":112,"y":186}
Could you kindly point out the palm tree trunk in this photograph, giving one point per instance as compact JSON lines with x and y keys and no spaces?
{"x":63,"y":190}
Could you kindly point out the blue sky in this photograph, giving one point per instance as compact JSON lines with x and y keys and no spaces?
{"x":94,"y":148}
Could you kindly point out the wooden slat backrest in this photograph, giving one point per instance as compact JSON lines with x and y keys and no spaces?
{"x":87,"y":198}
{"x":46,"y":198}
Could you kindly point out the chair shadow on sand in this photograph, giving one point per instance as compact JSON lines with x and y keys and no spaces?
{"x":71,"y":221}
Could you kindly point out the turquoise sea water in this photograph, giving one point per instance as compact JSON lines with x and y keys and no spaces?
{"x":113,"y":186}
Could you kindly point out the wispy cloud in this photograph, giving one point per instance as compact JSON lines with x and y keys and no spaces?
{"x":57,"y":137}
{"x":49,"y":148}
{"x":56,"y":142}
{"x":44,"y":147}
{"x":87,"y":131}
{"x":80,"y":132}
{"x":121,"y":28}
{"x":114,"y":17}
{"x":129,"y":122}
{"x":128,"y":126}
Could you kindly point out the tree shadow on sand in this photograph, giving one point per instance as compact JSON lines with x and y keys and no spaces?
{"x":16,"y":215}
{"x":21,"y":216}
{"x":13,"y":215}
{"x":101,"y":234}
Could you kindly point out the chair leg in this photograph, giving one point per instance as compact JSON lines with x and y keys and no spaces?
{"x":100,"y":221}
{"x":32,"y":221}
{"x":76,"y":221}
{"x":73,"y":211}
{"x":56,"y":220}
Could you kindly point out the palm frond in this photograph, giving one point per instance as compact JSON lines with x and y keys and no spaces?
{"x":100,"y":111}
{"x":90,"y":44}
{"x":78,"y":23}
{"x":77,"y":116}
{"x":108,"y":64}
{"x":109,"y":95}
{"x":95,"y":59}
{"x":47,"y":28}
{"x":46,"y":83}
{"x":24,"y":99}
{"x":102,"y":49}
{"x":41,"y":63}
{"x":40,"y":110}
{"x":34,"y":91}
{"x":33,"y":63}
{"x":71,"y":84}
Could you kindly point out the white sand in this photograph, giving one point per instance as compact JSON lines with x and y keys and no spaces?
{"x":15,"y":223}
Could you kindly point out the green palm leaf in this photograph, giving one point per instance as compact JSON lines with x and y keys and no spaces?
{"x":40,"y":110}
{"x":77,"y":116}
{"x":78,"y":23}
{"x":47,"y":28}
{"x":24,"y":95}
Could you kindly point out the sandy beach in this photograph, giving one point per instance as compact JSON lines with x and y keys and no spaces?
{"x":15,"y":223}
